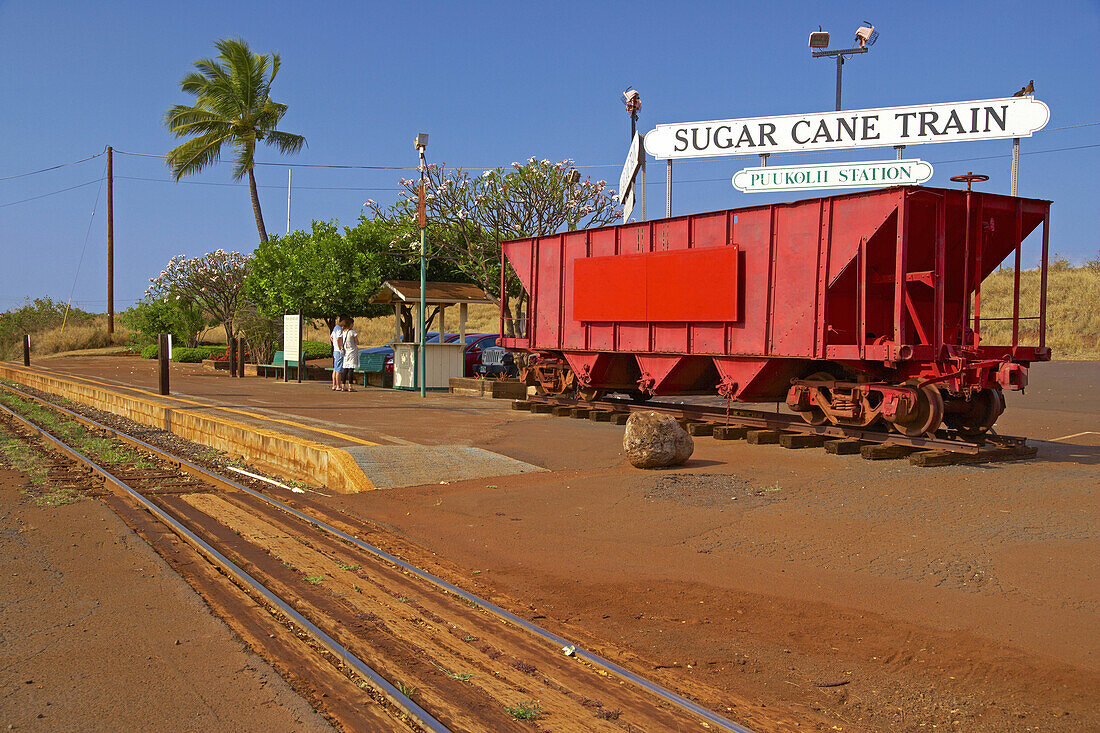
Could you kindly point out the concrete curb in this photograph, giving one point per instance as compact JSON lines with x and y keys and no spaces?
{"x":284,"y":455}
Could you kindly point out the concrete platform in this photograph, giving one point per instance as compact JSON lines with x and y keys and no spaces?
{"x":394,"y":466}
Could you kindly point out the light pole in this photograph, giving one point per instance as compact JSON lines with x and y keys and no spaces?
{"x":421,"y":144}
{"x":866,"y":35}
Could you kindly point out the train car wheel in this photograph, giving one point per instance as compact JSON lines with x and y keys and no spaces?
{"x":638,"y":395}
{"x":982,"y":412}
{"x":925,"y":416}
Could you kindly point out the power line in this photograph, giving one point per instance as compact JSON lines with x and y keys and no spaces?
{"x":258,"y":185}
{"x":51,"y":168}
{"x":52,"y":193}
{"x":373,"y":167}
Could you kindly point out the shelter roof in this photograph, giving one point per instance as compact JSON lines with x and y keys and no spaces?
{"x":408,"y":291}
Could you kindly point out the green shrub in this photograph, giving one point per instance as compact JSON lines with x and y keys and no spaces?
{"x":316,"y":350}
{"x":151,"y":316}
{"x":188,"y":356}
{"x":149,"y":352}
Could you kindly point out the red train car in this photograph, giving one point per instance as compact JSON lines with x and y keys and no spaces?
{"x":855,"y":309}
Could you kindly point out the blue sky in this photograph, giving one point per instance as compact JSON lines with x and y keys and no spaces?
{"x":492,"y":83}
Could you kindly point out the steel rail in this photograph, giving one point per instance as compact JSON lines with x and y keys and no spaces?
{"x":779,"y":421}
{"x":507,"y":616}
{"x":389,"y":691}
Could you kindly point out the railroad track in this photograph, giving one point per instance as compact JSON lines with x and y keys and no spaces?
{"x":791,"y":431}
{"x":429,"y":654}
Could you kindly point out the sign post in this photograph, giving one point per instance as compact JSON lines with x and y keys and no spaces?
{"x":292,"y":343}
{"x":626,"y":178}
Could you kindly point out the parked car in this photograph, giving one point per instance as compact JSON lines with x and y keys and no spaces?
{"x":476,"y":343}
{"x":496,"y":363}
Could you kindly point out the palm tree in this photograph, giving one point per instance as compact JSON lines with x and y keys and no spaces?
{"x":232,"y":105}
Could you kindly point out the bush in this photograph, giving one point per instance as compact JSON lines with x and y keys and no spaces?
{"x":150,"y":317}
{"x":316,"y":350}
{"x":185,"y":355}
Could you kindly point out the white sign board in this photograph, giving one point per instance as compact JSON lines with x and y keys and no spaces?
{"x":833,"y":175}
{"x":292,"y":339}
{"x":628,"y":205}
{"x":630,"y":168}
{"x":985,"y":119}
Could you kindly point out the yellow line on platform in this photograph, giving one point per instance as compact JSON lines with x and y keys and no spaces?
{"x":333,"y":433}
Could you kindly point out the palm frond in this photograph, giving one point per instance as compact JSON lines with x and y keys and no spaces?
{"x":285,"y":142}
{"x":195,"y":154}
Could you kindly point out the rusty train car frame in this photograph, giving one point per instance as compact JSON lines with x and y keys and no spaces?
{"x":855,"y":309}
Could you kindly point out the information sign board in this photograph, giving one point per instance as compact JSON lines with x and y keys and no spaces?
{"x":985,"y":119}
{"x":630,"y":167}
{"x":866,"y":174}
{"x":292,"y":339}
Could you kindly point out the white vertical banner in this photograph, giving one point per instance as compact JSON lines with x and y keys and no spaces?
{"x":292,"y":339}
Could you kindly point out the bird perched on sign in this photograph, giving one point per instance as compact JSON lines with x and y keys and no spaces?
{"x":1026,"y":91}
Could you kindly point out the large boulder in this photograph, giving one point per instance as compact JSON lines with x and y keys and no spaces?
{"x":653,"y":440}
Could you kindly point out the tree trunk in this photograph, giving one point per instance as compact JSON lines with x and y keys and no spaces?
{"x":509,"y":322}
{"x":256,"y":206}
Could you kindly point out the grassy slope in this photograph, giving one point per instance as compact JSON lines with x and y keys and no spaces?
{"x":1073,"y":310}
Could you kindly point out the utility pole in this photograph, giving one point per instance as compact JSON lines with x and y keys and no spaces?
{"x":421,"y":144}
{"x":110,"y":240}
{"x":288,"y":200}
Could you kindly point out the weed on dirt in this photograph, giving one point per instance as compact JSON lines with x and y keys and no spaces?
{"x":528,"y":710}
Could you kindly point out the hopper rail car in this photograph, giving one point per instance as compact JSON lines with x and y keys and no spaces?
{"x":859,"y":310}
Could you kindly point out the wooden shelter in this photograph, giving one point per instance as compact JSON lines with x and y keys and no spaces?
{"x":442,"y":360}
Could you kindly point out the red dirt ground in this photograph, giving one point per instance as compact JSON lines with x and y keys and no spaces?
{"x":98,"y":633}
{"x":961,"y":597}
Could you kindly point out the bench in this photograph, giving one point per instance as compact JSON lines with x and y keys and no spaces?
{"x":373,"y":363}
{"x":275,"y":368}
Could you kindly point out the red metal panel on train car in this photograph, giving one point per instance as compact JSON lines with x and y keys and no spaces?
{"x":601,"y":336}
{"x":794,"y":278}
{"x":548,"y":283}
{"x":752,"y":232}
{"x":684,"y":286}
{"x":574,"y":247}
{"x":610,"y":288}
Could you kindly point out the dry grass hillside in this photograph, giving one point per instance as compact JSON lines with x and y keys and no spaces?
{"x":1073,"y":309}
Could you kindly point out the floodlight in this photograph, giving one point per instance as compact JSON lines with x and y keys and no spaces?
{"x":573,"y":177}
{"x":866,"y":35}
{"x":421,"y":141}
{"x":632,"y":100}
{"x":819,"y":38}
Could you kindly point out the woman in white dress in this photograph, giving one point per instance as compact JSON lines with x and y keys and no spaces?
{"x":351,"y":353}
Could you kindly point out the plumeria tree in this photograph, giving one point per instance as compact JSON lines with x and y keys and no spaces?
{"x":469,"y":216}
{"x":214,"y":281}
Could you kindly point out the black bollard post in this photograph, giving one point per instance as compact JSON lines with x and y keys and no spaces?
{"x":162,"y":359}
{"x":26,"y":349}
{"x":232,"y":356}
{"x":240,"y":356}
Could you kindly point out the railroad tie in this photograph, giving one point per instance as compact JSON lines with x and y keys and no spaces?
{"x":600,"y":415}
{"x":700,"y":428}
{"x":886,"y":451}
{"x":844,"y":446}
{"x":763,"y":437}
{"x":541,"y":408}
{"x":521,"y":405}
{"x":730,"y":432}
{"x":561,"y":411}
{"x":801,"y":440}
{"x":619,"y":418}
{"x":985,"y":455}
{"x":581,"y":413}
